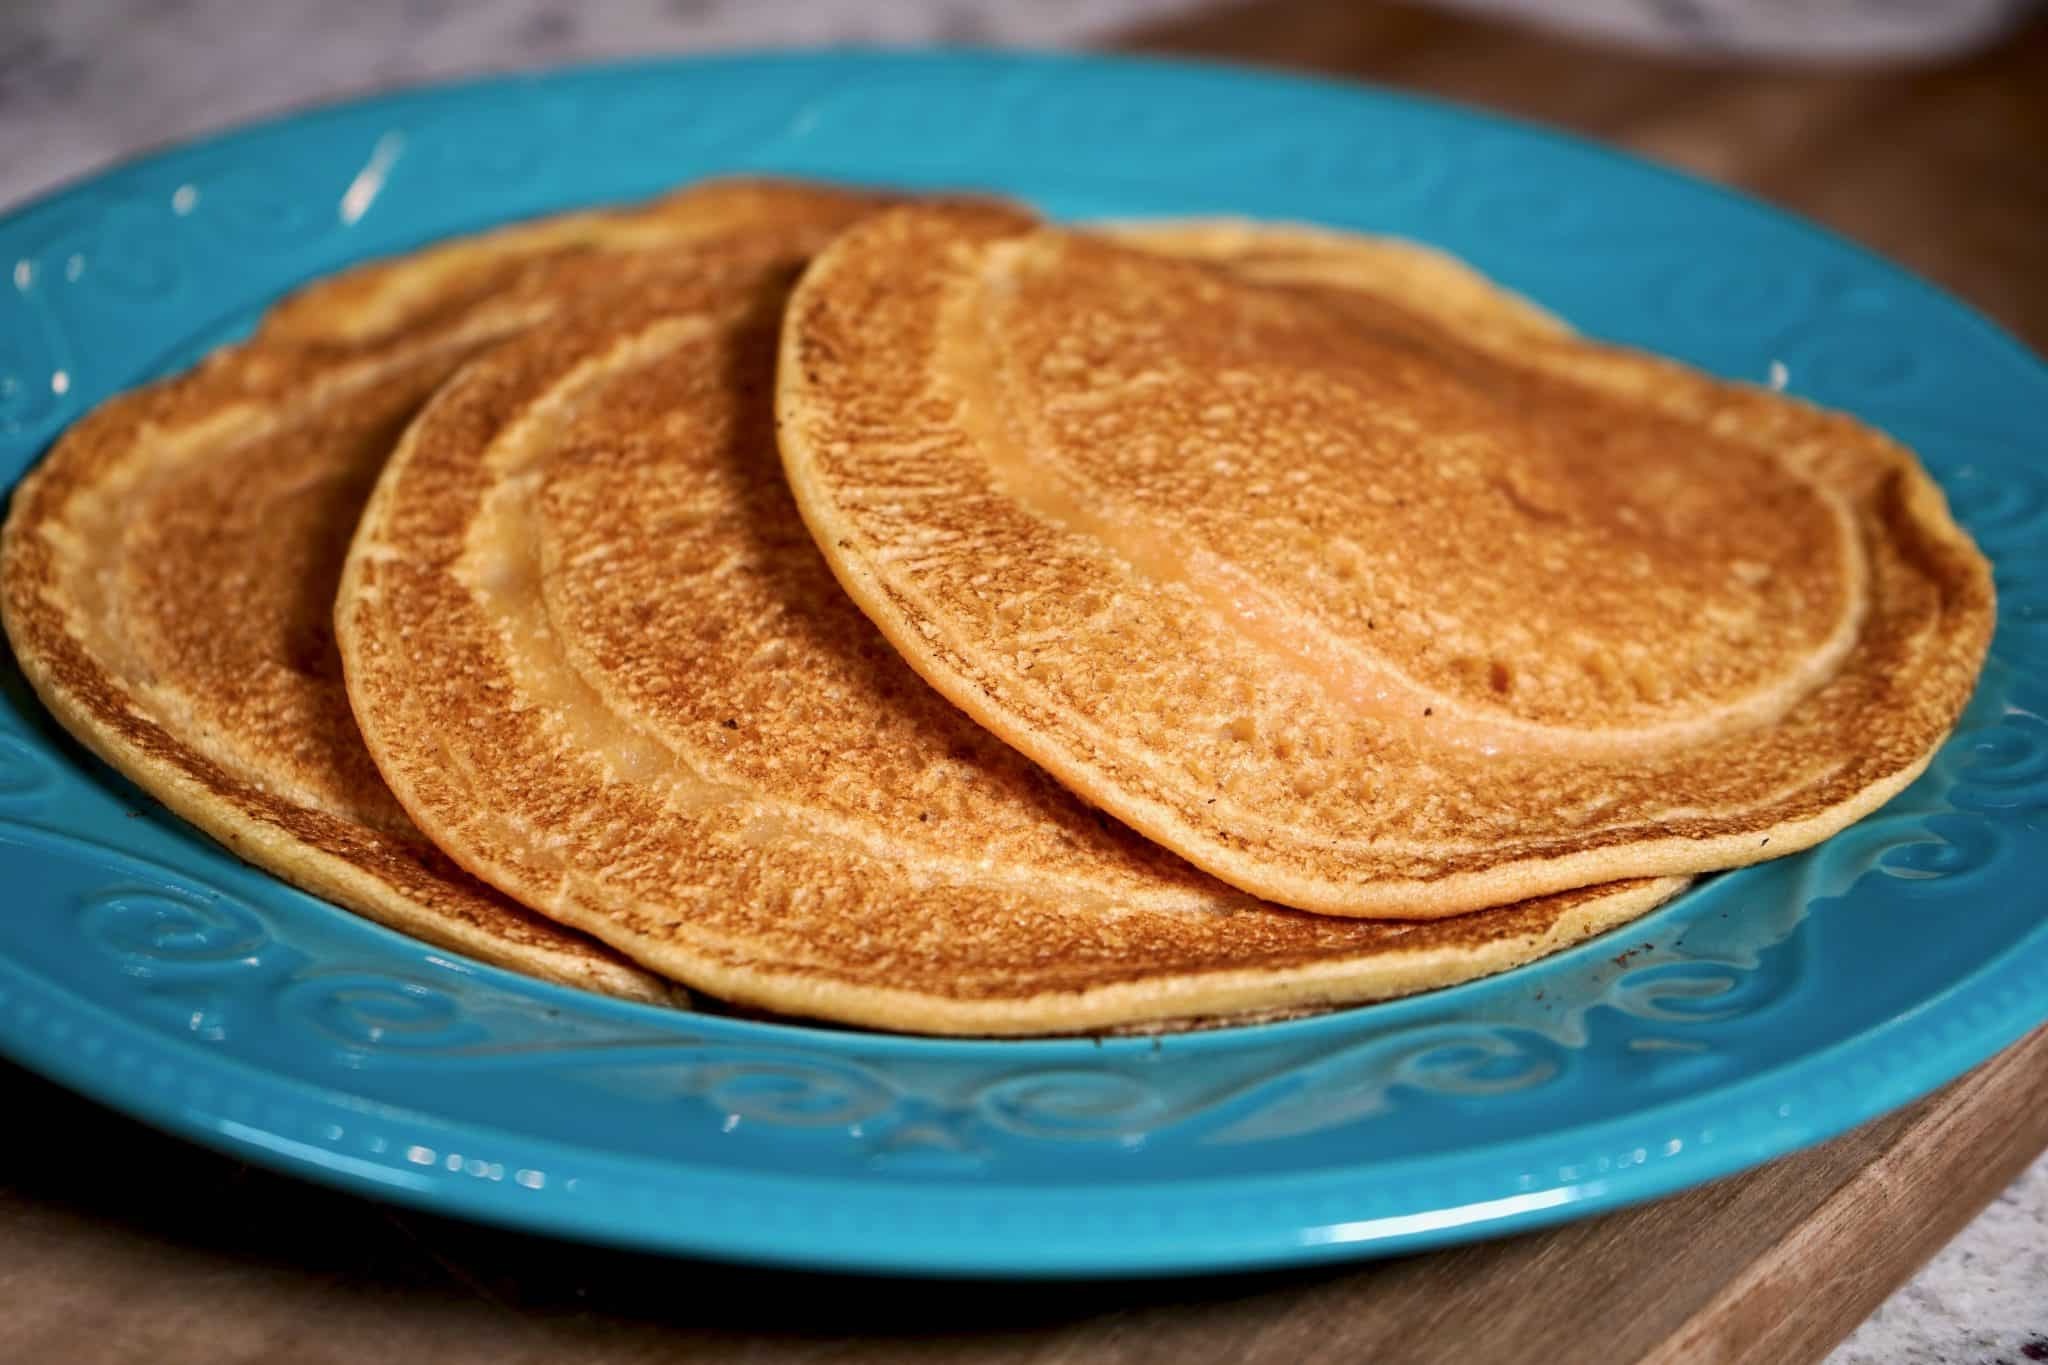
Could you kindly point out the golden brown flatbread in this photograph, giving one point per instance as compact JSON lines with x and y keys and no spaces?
{"x":168,"y":572}
{"x":1383,"y":600}
{"x":597,"y":657}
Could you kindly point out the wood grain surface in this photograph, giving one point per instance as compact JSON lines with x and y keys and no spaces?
{"x":1942,"y":168}
{"x":118,"y":1245}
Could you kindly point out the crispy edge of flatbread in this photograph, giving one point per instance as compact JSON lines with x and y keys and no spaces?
{"x":1520,"y":329}
{"x":337,"y":859}
{"x":433,"y":791}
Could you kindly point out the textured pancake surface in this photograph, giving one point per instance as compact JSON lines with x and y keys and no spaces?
{"x":597,"y":656}
{"x":1359,"y":583}
{"x":169,"y":570}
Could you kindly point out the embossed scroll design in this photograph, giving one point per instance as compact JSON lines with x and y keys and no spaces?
{"x":209,"y":965}
{"x":169,"y":931}
{"x":104,"y":253}
{"x":183,"y":947}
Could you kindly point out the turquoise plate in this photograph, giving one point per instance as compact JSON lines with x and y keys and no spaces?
{"x":1766,"y":1009}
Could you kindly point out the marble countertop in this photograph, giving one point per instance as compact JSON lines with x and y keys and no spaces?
{"x":89,"y":81}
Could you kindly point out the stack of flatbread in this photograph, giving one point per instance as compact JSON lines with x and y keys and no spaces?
{"x":916,"y":616}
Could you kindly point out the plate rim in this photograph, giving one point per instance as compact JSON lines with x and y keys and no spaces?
{"x":51,"y":1047}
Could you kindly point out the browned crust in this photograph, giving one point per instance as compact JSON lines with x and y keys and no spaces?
{"x":353,"y":865}
{"x":508,"y":790}
{"x":424,"y":311}
{"x":1914,"y":673}
{"x":405,"y":295}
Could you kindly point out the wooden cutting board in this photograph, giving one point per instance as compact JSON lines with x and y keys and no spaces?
{"x":120,"y":1245}
{"x":1936,"y":166}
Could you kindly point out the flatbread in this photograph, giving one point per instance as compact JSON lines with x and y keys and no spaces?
{"x":168,"y":572}
{"x":597,"y":657}
{"x":1376,"y":600}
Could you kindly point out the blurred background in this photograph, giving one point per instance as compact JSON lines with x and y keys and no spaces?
{"x":1919,"y":127}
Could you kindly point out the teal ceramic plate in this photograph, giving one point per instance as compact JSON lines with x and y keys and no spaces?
{"x":1766,"y":1009}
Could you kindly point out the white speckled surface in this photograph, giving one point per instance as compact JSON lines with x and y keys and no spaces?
{"x":83,"y":82}
{"x":1983,"y":1300}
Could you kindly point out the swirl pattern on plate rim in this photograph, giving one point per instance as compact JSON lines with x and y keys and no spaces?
{"x":220,"y":968}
